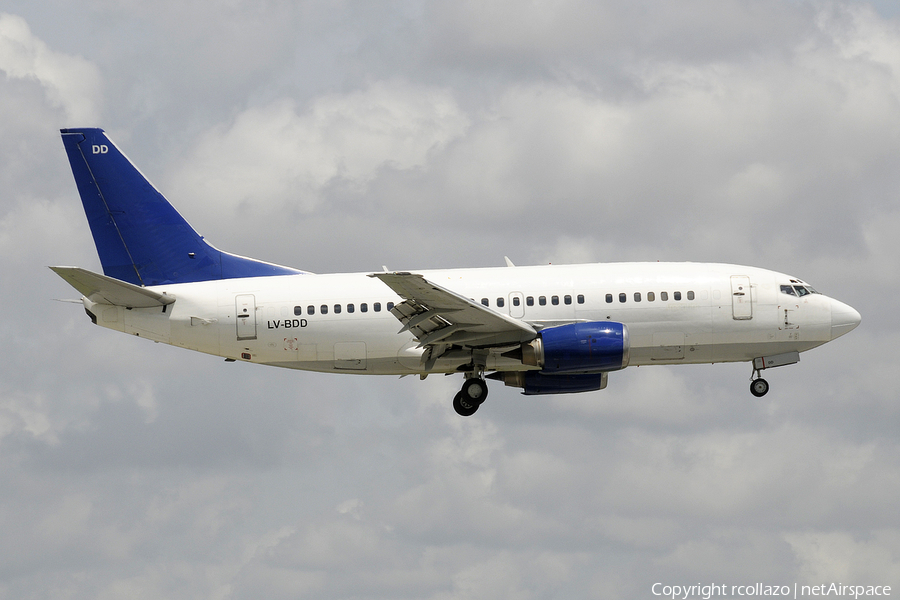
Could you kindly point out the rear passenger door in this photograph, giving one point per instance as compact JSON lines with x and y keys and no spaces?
{"x":245,"y":313}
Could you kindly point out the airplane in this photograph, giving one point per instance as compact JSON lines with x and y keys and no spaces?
{"x":547,"y":329}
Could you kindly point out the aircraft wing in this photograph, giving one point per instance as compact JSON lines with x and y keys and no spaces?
{"x":106,"y":290}
{"x":436,"y":315}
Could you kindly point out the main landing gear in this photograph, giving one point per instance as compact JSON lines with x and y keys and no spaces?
{"x":474,"y":391}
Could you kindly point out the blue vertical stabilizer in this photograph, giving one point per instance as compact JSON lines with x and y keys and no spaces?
{"x":139,"y":236}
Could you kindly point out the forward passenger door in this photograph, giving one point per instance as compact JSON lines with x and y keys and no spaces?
{"x":741,"y":298}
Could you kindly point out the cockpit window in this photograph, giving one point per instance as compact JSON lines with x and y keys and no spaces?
{"x":797,"y":290}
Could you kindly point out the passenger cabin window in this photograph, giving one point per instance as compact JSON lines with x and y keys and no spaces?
{"x":390,"y":305}
{"x":664,"y":296}
{"x":567,"y":299}
{"x":485,"y":301}
{"x":609,"y":298}
{"x":351,"y":308}
{"x":310,"y":310}
{"x":337,"y":308}
{"x":677,"y":296}
{"x":516,"y":301}
{"x":323,"y":309}
{"x":542,"y":300}
{"x":690,"y":295}
{"x":363,"y":307}
{"x":651,"y":296}
{"x":298,"y":310}
{"x":623,"y":297}
{"x":637,"y":296}
{"x":554,"y":300}
{"x":377,"y":307}
{"x":500,"y":302}
{"x":529,"y":301}
{"x":580,"y":298}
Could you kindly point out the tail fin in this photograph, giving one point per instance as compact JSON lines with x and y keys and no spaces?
{"x":140,"y":237}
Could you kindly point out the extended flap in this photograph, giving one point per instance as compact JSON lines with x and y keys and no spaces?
{"x":436,"y":315}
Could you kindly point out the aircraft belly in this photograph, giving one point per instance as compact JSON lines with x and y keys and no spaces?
{"x":150,"y":323}
{"x":350,"y":356}
{"x":721,"y":338}
{"x":107,"y":316}
{"x":378,"y":366}
{"x":357,"y":347}
{"x":718,"y":352}
{"x":671,"y":347}
{"x":195,"y":333}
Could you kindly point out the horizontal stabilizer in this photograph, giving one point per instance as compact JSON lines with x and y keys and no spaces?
{"x":106,"y":290}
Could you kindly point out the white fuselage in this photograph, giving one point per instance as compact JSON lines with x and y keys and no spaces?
{"x":676,"y":313}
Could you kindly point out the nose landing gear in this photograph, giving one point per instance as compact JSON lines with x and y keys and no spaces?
{"x":759,"y":387}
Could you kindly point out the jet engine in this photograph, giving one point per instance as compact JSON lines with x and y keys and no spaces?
{"x":593,"y":347}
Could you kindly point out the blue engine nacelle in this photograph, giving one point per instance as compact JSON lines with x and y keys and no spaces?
{"x":536,"y":383}
{"x":594,"y":347}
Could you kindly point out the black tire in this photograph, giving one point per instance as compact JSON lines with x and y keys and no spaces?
{"x":759,"y":387}
{"x":475,"y":390}
{"x":464,"y":407}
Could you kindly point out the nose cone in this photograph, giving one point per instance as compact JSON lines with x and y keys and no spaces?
{"x":844,"y":319}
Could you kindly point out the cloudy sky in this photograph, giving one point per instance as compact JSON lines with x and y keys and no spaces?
{"x":347,"y":135}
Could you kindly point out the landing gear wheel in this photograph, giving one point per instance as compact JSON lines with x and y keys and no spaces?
{"x":759,"y":387}
{"x":474,"y":390}
{"x":464,"y":407}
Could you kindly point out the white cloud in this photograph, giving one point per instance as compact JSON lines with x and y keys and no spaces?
{"x":69,"y":82}
{"x":29,"y":415}
{"x":278,"y":155}
{"x":835,"y":556}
